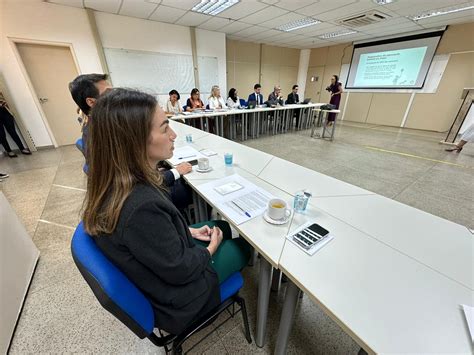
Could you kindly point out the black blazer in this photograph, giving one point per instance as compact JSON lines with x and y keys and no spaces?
{"x":290,"y":99}
{"x":153,"y":247}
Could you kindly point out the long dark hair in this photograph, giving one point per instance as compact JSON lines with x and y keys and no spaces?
{"x":232,"y":94}
{"x":116,"y":150}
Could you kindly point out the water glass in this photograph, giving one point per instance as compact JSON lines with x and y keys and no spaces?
{"x":301,"y":201}
{"x":228,"y":158}
{"x":189,"y":138}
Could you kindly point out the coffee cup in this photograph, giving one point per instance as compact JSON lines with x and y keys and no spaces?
{"x":276,"y":209}
{"x":203,"y":164}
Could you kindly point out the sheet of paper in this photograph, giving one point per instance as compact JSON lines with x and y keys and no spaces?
{"x":469,"y":313}
{"x":241,"y":205}
{"x":184,"y":154}
{"x":208,"y":152}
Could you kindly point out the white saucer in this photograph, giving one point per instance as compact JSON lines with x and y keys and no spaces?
{"x":270,"y":220}
{"x":203,"y":171}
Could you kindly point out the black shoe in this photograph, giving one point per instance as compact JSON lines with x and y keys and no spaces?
{"x":26,"y":151}
{"x":12,"y":155}
{"x":3,"y":176}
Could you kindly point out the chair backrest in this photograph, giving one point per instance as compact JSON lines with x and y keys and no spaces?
{"x":115,"y":292}
{"x":80,"y":144}
{"x":243,"y":102}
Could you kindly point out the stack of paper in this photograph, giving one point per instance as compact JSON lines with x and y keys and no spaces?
{"x":237,"y":198}
{"x":184,"y":154}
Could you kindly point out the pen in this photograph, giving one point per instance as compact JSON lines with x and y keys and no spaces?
{"x":189,"y":156}
{"x":240,"y":208}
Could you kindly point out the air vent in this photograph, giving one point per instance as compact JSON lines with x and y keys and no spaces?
{"x":360,"y":20}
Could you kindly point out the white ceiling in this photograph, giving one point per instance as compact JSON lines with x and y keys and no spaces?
{"x":255,"y":20}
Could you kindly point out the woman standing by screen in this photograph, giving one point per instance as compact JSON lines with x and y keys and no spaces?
{"x":336,"y":90}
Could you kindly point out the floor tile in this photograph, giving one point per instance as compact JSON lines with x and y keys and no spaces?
{"x":63,"y":206}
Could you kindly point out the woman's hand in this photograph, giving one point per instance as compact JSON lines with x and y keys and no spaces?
{"x":203,"y":233}
{"x":216,"y":239}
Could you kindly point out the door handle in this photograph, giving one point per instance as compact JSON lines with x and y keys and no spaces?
{"x":43,"y":100}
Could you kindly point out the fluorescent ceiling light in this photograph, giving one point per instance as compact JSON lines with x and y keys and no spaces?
{"x":439,"y":12}
{"x":294,"y":25}
{"x":213,"y":7}
{"x":337,"y":34}
{"x":383,"y":2}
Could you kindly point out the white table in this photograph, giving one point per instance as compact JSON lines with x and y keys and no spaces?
{"x":441,"y":245}
{"x":393,"y":278}
{"x":291,"y":177}
{"x":387,"y":301}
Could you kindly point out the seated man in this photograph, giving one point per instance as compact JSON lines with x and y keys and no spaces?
{"x":85,"y":90}
{"x":256,"y":96}
{"x":293,"y":98}
{"x":275,"y":98}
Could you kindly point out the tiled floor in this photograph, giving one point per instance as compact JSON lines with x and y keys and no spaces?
{"x":61,"y":314}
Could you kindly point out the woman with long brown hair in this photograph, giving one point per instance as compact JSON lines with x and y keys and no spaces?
{"x":133,"y":221}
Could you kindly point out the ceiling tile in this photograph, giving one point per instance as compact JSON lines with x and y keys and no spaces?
{"x":234,"y":27}
{"x":73,"y":3}
{"x":111,"y":6}
{"x":192,"y":19}
{"x":250,"y":31}
{"x":180,"y":4}
{"x":134,"y":8}
{"x":242,"y":9}
{"x":215,"y":23}
{"x":282,"y":20}
{"x":347,"y":11}
{"x":167,"y":14}
{"x":264,"y":15}
{"x":319,"y":7}
{"x":264,"y":35}
{"x":293,"y":5}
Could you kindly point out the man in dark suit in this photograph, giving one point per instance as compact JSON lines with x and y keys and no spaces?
{"x":256,"y":95}
{"x":293,"y":98}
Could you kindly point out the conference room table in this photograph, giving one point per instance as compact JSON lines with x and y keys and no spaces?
{"x":393,"y":277}
{"x":251,"y":119}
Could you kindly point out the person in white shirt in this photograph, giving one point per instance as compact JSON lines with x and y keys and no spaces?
{"x":216,"y":101}
{"x":173,"y":106}
{"x":233,"y":101}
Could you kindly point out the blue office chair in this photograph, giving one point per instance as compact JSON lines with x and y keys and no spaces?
{"x":243,"y":103}
{"x":207,"y":107}
{"x":185,"y":107}
{"x":118,"y":295}
{"x":80,"y":146}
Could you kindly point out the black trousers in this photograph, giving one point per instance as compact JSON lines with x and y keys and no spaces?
{"x":7,"y":122}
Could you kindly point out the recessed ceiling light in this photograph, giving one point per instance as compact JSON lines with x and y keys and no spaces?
{"x":439,"y":12}
{"x":294,"y":25}
{"x":337,"y":34}
{"x":213,"y":7}
{"x":383,"y":2}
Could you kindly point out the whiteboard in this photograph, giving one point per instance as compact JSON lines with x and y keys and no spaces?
{"x":158,"y":73}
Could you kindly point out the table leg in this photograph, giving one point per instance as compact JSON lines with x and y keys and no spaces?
{"x":264,"y":280}
{"x":276,"y":275}
{"x":222,"y":118}
{"x":242,"y":125}
{"x":287,"y":318}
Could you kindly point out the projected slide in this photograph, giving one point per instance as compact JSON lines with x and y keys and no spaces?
{"x":390,"y":68}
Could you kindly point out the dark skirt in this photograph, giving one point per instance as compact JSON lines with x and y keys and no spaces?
{"x":335,"y":100}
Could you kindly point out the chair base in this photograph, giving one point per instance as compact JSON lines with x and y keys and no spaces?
{"x":173,"y":344}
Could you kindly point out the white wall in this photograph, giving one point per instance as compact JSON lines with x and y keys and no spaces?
{"x":36,"y":20}
{"x":131,"y":33}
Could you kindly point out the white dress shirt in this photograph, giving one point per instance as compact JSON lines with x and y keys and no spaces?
{"x":215,"y":102}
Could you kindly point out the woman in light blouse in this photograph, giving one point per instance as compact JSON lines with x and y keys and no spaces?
{"x":194,"y":102}
{"x":216,"y":101}
{"x":173,"y":106}
{"x":233,"y":101}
